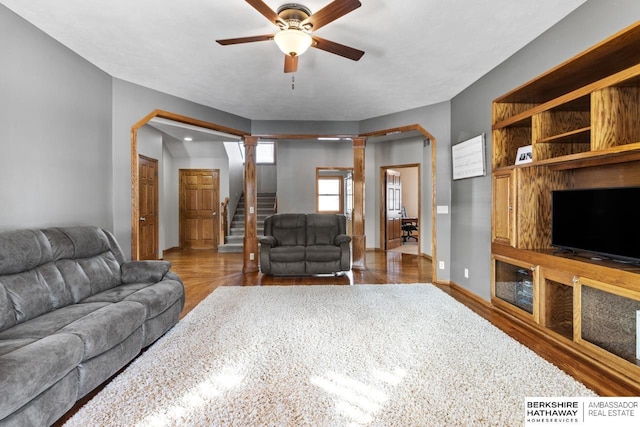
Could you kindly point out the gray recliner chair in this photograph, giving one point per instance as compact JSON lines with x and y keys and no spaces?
{"x":305,"y":244}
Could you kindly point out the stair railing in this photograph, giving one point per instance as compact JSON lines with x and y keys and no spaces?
{"x":224,"y":222}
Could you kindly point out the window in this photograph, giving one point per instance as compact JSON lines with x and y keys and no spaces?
{"x":265,"y":152}
{"x":329,"y":195}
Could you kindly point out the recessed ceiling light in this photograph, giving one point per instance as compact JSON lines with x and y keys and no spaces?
{"x":188,"y":138}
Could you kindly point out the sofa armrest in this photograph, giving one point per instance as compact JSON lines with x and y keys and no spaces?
{"x":268,"y":241}
{"x":144,"y":271}
{"x":341,"y":238}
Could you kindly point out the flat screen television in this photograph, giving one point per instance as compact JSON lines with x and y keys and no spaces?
{"x":600,"y":221}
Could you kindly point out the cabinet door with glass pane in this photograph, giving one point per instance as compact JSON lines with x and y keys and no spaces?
{"x":607,"y":319}
{"x":515,"y":287}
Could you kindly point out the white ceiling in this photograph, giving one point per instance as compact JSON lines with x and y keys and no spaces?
{"x":418,"y":52}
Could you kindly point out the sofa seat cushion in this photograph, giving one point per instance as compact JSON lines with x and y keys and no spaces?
{"x":107,"y":327}
{"x":287,"y":254}
{"x":32,"y":368}
{"x":155,"y":297}
{"x":99,"y":325}
{"x":50,"y":323}
{"x":12,"y":344}
{"x":323,"y":253}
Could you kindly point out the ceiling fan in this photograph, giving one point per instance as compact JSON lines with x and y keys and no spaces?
{"x":297,"y":23}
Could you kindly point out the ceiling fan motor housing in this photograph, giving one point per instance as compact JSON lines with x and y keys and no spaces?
{"x":293,"y":14}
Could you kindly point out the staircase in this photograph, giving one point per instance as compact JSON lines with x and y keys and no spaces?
{"x":234,"y":241}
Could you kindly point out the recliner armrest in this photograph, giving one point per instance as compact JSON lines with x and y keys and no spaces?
{"x":144,"y":271}
{"x":268,"y":241}
{"x":341,"y":238}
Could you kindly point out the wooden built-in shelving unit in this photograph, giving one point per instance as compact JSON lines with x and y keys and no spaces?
{"x":582,"y":120}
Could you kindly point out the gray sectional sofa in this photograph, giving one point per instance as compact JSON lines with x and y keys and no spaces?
{"x":73,"y":312}
{"x":305,"y":244}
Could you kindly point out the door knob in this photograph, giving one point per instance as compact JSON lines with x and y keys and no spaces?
{"x":143,"y":218}
{"x":214,"y":213}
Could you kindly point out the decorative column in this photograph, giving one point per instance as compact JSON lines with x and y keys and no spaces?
{"x":358,"y":239}
{"x":250,"y":248}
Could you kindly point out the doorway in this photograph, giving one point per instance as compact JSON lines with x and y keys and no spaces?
{"x":392,"y":209}
{"x":400,"y":205}
{"x":148,"y":218}
{"x":199,"y":205}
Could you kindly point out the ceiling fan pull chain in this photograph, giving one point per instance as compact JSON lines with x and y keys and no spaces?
{"x":293,"y":82}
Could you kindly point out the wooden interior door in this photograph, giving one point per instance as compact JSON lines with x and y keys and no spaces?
{"x":148,"y":208}
{"x":393,"y":218}
{"x":199,"y":204}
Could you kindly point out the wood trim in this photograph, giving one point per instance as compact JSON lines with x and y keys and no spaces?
{"x":276,"y":136}
{"x":135,"y":196}
{"x":187,"y":120}
{"x":358,"y":244}
{"x":400,"y":129}
{"x":340,"y":195}
{"x":250,"y":251}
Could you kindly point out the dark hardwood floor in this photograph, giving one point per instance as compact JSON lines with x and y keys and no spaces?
{"x":203,"y":271}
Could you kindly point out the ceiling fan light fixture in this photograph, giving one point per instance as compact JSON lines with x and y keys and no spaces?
{"x":293,"y":42}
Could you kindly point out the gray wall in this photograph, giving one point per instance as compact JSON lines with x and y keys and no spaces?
{"x":130,"y":104}
{"x":55,"y":132}
{"x":297,"y":163}
{"x":471,"y":115}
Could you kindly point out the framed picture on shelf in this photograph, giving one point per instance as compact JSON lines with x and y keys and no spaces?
{"x":524,"y":155}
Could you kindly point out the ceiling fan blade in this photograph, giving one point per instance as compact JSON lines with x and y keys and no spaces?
{"x":331,"y":12}
{"x":290,"y":64}
{"x":250,"y":39}
{"x":265,"y":10}
{"x":337,"y":48}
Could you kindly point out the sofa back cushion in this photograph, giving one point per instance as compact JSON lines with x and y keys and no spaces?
{"x":25,"y":261}
{"x":41,"y":270}
{"x":86,"y":259}
{"x":288,"y":229}
{"x":322,"y":229}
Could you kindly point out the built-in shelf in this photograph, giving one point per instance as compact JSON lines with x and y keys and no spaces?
{"x":621,"y":154}
{"x":582,"y":120}
{"x":582,"y":135}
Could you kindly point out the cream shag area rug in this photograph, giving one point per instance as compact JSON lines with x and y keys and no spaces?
{"x":364,"y":355}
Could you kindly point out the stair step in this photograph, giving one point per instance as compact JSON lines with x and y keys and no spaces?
{"x":240,"y":224}
{"x":240,"y":217}
{"x":260,"y":211}
{"x":234,"y":239}
{"x":240,"y":232}
{"x":230,"y":248}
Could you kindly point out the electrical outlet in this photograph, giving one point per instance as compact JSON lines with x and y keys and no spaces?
{"x":251,"y":256}
{"x":441,"y":265}
{"x":251,"y":210}
{"x":466,"y":273}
